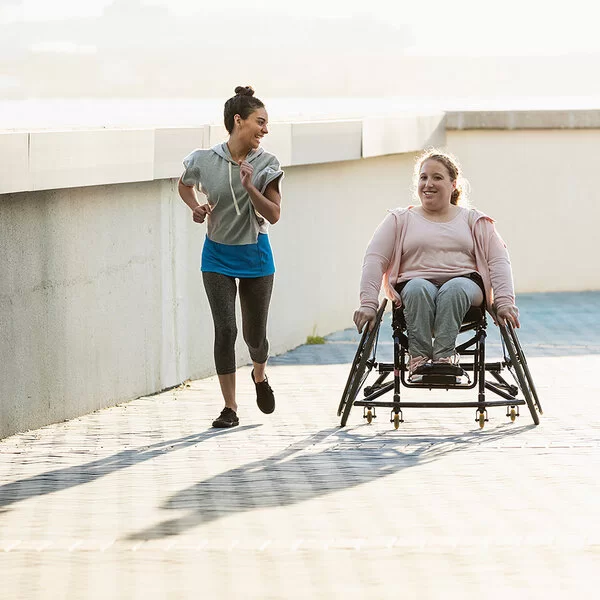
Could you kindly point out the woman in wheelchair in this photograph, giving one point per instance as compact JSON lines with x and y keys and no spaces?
{"x":436,"y":260}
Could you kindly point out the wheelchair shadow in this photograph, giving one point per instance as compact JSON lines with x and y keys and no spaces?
{"x":304,"y":471}
{"x":69,"y":477}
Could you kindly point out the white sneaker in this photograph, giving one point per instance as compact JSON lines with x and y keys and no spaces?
{"x":453,"y":359}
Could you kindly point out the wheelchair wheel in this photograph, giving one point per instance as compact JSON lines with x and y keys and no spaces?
{"x":518,"y":367}
{"x":525,"y":366}
{"x":361,"y":366}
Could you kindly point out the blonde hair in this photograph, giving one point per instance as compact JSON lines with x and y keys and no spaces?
{"x":452,"y":166}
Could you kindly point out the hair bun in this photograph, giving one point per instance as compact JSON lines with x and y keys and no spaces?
{"x":244,"y":90}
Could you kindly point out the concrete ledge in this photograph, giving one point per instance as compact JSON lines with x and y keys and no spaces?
{"x":326,"y":141}
{"x":172,"y":145}
{"x":14,"y":159}
{"x":66,"y":159}
{"x":524,"y":119}
{"x":398,"y":135}
{"x":82,"y":158}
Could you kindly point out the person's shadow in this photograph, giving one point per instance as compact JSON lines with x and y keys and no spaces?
{"x":301,"y":472}
{"x":68,"y":477}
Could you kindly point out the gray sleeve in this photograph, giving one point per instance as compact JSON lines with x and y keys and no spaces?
{"x":272,"y":172}
{"x":191,"y":175}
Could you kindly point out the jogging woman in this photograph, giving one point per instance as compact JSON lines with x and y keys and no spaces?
{"x":241,"y":183}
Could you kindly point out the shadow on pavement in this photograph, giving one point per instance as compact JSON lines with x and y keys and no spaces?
{"x":299,"y":473}
{"x":68,"y":477}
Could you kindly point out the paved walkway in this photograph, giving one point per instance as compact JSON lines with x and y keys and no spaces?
{"x":145,"y":501}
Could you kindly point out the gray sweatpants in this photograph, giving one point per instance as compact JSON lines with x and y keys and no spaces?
{"x":437,"y":312}
{"x":255,"y":296}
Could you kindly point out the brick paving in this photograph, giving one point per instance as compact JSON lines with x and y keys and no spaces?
{"x":145,"y":500}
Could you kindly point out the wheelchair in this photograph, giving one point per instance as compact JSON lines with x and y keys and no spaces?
{"x":469,"y":375}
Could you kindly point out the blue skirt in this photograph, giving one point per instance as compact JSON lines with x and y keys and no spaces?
{"x":245,"y":261}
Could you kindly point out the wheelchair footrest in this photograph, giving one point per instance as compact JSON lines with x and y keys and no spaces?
{"x":440,"y":379}
{"x":438,"y":374}
{"x":441,"y":369}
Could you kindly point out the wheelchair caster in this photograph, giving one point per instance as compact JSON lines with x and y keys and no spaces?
{"x":396,"y":419}
{"x":513,"y":413}
{"x":481,"y":418}
{"x":369,"y":415}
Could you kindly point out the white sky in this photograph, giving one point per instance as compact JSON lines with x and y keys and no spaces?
{"x":448,"y":26}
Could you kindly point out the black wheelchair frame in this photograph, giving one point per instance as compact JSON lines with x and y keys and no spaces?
{"x":513,"y":360}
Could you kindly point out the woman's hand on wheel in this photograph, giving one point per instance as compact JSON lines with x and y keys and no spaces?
{"x":200,"y":212}
{"x":364,"y":315}
{"x":508,"y":313}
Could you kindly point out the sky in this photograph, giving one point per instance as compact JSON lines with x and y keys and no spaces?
{"x":449,"y":27}
{"x":299,"y":48}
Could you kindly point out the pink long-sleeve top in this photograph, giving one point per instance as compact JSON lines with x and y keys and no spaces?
{"x":391,"y":257}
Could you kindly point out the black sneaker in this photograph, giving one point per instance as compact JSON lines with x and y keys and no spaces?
{"x":264,"y":395}
{"x":227,"y":418}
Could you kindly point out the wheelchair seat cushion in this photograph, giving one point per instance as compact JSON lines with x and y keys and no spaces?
{"x":473,"y":317}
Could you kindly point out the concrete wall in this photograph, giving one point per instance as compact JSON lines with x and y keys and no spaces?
{"x":329,"y":215}
{"x":86,"y":301}
{"x":541,"y":187}
{"x":102,"y":298}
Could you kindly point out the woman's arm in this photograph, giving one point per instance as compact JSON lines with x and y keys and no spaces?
{"x":188,"y":195}
{"x":376,"y":262}
{"x":268,"y":204}
{"x":501,"y":277}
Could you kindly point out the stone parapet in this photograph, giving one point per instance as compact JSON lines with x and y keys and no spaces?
{"x":44,"y":160}
{"x":523,"y":119}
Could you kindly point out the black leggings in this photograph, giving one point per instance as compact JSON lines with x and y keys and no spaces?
{"x":255,"y":295}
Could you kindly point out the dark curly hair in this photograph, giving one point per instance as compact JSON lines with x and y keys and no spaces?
{"x":244,"y":103}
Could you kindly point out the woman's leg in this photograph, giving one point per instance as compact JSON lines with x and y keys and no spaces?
{"x":454,"y":299}
{"x":255,"y":297}
{"x":221,"y":291}
{"x":419,"y":301}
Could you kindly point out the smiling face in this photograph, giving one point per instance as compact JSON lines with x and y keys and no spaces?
{"x":251,"y":130}
{"x":435,"y":185}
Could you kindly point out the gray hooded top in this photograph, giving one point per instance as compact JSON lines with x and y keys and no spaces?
{"x":233,"y":220}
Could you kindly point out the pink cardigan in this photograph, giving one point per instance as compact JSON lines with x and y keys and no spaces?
{"x":383,"y":260}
